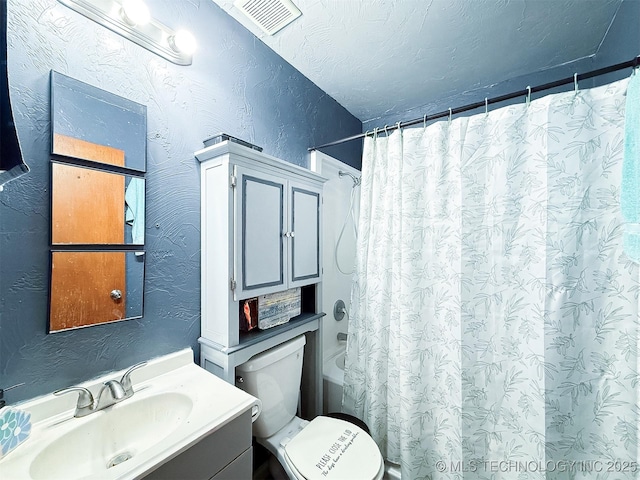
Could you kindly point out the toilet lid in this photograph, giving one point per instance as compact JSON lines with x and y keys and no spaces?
{"x":331,"y":448}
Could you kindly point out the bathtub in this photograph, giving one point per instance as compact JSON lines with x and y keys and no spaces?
{"x":333,"y":378}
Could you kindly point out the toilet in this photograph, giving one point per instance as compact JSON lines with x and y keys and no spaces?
{"x":325,"y":447}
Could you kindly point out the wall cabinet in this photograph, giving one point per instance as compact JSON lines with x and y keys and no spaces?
{"x":261,"y":225}
{"x":261,"y":230}
{"x":277,"y":233}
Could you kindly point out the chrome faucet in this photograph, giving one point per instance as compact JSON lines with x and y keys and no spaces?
{"x":115,"y":393}
{"x":112,"y":392}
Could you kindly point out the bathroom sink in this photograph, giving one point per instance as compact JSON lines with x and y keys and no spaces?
{"x":175,"y":405}
{"x":111,"y":437}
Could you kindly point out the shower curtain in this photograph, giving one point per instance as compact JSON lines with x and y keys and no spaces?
{"x":494,"y":330}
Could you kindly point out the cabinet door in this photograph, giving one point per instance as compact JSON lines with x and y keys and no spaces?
{"x":260,"y":224}
{"x":304,"y":215}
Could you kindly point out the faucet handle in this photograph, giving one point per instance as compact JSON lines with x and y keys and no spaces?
{"x":85,"y":398}
{"x":126,"y":378}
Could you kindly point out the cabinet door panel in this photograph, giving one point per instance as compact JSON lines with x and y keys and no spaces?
{"x":228,"y":449}
{"x":261,"y":221}
{"x":305,"y":242}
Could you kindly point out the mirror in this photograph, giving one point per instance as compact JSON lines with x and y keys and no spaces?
{"x":79,"y":215}
{"x":99,"y":144}
{"x":83,"y":116}
{"x":91,"y":287}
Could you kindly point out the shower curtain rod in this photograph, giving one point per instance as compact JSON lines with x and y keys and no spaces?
{"x":472,"y":106}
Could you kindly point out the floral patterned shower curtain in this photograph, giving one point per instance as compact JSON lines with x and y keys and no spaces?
{"x":494,"y":331}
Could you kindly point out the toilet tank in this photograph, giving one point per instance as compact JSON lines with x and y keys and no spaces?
{"x":274,"y":376}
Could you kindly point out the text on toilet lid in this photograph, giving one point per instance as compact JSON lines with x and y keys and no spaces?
{"x":333,"y":454}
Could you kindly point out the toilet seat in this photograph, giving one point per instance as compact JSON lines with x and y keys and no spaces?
{"x":328,"y":448}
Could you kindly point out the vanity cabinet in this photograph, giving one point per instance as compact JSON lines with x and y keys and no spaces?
{"x":260,"y":234}
{"x":223,"y":455}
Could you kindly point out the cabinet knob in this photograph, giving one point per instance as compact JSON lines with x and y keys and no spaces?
{"x":292,"y":234}
{"x":116,"y":294}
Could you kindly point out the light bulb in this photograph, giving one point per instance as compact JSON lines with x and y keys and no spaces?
{"x":183,"y":42}
{"x":135,"y":12}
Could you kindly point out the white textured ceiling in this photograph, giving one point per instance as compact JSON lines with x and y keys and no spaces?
{"x":380,"y":57}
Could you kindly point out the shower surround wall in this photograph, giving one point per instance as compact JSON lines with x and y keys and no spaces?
{"x":336,"y":285}
{"x":236,"y":85}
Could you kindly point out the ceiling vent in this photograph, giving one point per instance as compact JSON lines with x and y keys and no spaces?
{"x":269,"y":15}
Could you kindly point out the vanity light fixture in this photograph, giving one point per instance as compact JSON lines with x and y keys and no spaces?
{"x":183,"y":42}
{"x":135,"y":12}
{"x":132,"y":20}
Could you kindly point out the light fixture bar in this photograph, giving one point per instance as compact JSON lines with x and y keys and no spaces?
{"x":154,"y":36}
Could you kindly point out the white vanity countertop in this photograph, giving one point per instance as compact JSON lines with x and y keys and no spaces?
{"x":181,"y":402}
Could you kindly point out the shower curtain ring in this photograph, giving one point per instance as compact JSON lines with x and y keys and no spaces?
{"x":486,"y":106}
{"x":386,"y":134}
{"x":398,"y":126}
{"x":424,"y":122}
{"x":575,"y":82}
{"x":528,"y":95}
{"x":450,"y":113}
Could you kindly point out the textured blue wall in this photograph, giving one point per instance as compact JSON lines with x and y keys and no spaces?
{"x":235,"y":85}
{"x":621,"y":43}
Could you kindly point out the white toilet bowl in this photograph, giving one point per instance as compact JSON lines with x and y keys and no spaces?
{"x":325,"y":448}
